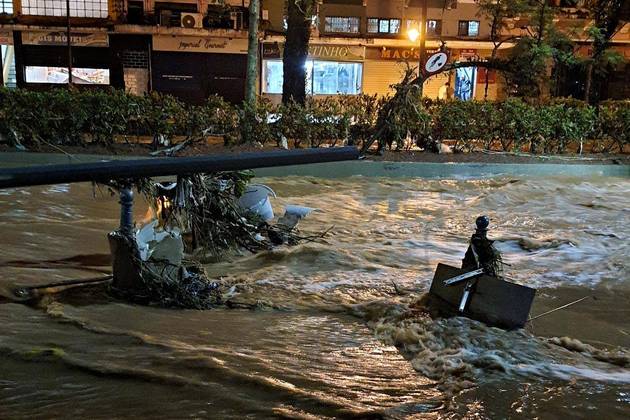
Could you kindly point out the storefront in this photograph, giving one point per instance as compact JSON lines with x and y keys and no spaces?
{"x":330,"y":70}
{"x":193,"y":68}
{"x":349,"y":70}
{"x":42,"y":58}
{"x":386,"y":66}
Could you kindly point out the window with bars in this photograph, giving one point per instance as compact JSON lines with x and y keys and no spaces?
{"x":383,"y":26}
{"x":468,"y":28}
{"x":6,"y":7}
{"x":344,"y":24}
{"x":78,"y":8}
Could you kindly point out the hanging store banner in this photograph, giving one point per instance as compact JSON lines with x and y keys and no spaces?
{"x":397,"y":53}
{"x":323,"y":52}
{"x":482,"y":73}
{"x":200,"y":44}
{"x":78,"y":39}
{"x":6,"y":37}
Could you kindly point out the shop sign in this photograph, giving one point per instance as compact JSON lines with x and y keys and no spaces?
{"x":199,"y":44}
{"x":397,"y":53}
{"x":77,"y":39}
{"x":272,"y":50}
{"x":337,"y":52}
{"x":436,"y":62}
{"x":6,"y":38}
{"x":326,"y":52}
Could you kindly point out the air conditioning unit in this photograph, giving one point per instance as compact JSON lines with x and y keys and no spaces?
{"x":192,"y":20}
{"x":237,"y":20}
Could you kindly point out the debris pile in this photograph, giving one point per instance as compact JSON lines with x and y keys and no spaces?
{"x":198,"y":219}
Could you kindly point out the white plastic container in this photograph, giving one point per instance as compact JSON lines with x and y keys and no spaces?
{"x":256,"y":200}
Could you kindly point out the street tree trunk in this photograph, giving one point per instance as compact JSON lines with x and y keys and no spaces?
{"x":587,"y":84}
{"x":252,"y":53}
{"x":296,"y":50}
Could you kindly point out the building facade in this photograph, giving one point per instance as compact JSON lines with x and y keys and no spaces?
{"x":364,"y":46}
{"x":196,"y":48}
{"x":190,"y":49}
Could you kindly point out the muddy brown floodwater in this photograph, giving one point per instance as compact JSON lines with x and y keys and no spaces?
{"x":333,"y":338}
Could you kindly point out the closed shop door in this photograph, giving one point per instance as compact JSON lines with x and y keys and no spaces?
{"x":378,"y":76}
{"x":226,"y":76}
{"x":180,"y":74}
{"x":193,"y":77}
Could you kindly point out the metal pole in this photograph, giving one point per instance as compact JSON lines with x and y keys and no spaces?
{"x":126,"y":211}
{"x":147,"y":168}
{"x":69,"y":42}
{"x":423,"y":36}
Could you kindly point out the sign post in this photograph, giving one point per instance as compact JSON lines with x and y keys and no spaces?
{"x":69,"y":43}
{"x":435,"y":63}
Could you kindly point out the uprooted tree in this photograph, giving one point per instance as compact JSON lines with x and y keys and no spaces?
{"x":537,"y":48}
{"x":198,"y":219}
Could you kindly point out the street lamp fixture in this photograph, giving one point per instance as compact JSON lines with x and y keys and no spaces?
{"x":413,"y":34}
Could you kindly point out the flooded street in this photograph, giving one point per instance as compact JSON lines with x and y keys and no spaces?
{"x":336,"y":335}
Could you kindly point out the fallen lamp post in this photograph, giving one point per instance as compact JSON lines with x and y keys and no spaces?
{"x":123,"y":251}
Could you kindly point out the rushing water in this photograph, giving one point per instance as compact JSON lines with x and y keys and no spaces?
{"x":337,"y":334}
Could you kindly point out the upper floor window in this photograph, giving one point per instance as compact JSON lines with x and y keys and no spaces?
{"x":434,"y":27}
{"x":413,"y":24}
{"x":78,"y":8}
{"x":6,"y":7}
{"x":345,"y":24}
{"x":285,"y":22}
{"x":468,"y":28}
{"x":383,"y":26}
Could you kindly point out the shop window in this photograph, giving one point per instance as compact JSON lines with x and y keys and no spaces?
{"x":78,"y":8}
{"x":383,"y":26}
{"x":331,"y":78}
{"x":468,"y":28}
{"x":322,"y":77}
{"x":59,"y":75}
{"x":342,"y":24}
{"x":465,"y":83}
{"x":273,"y":74}
{"x":6,"y":6}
